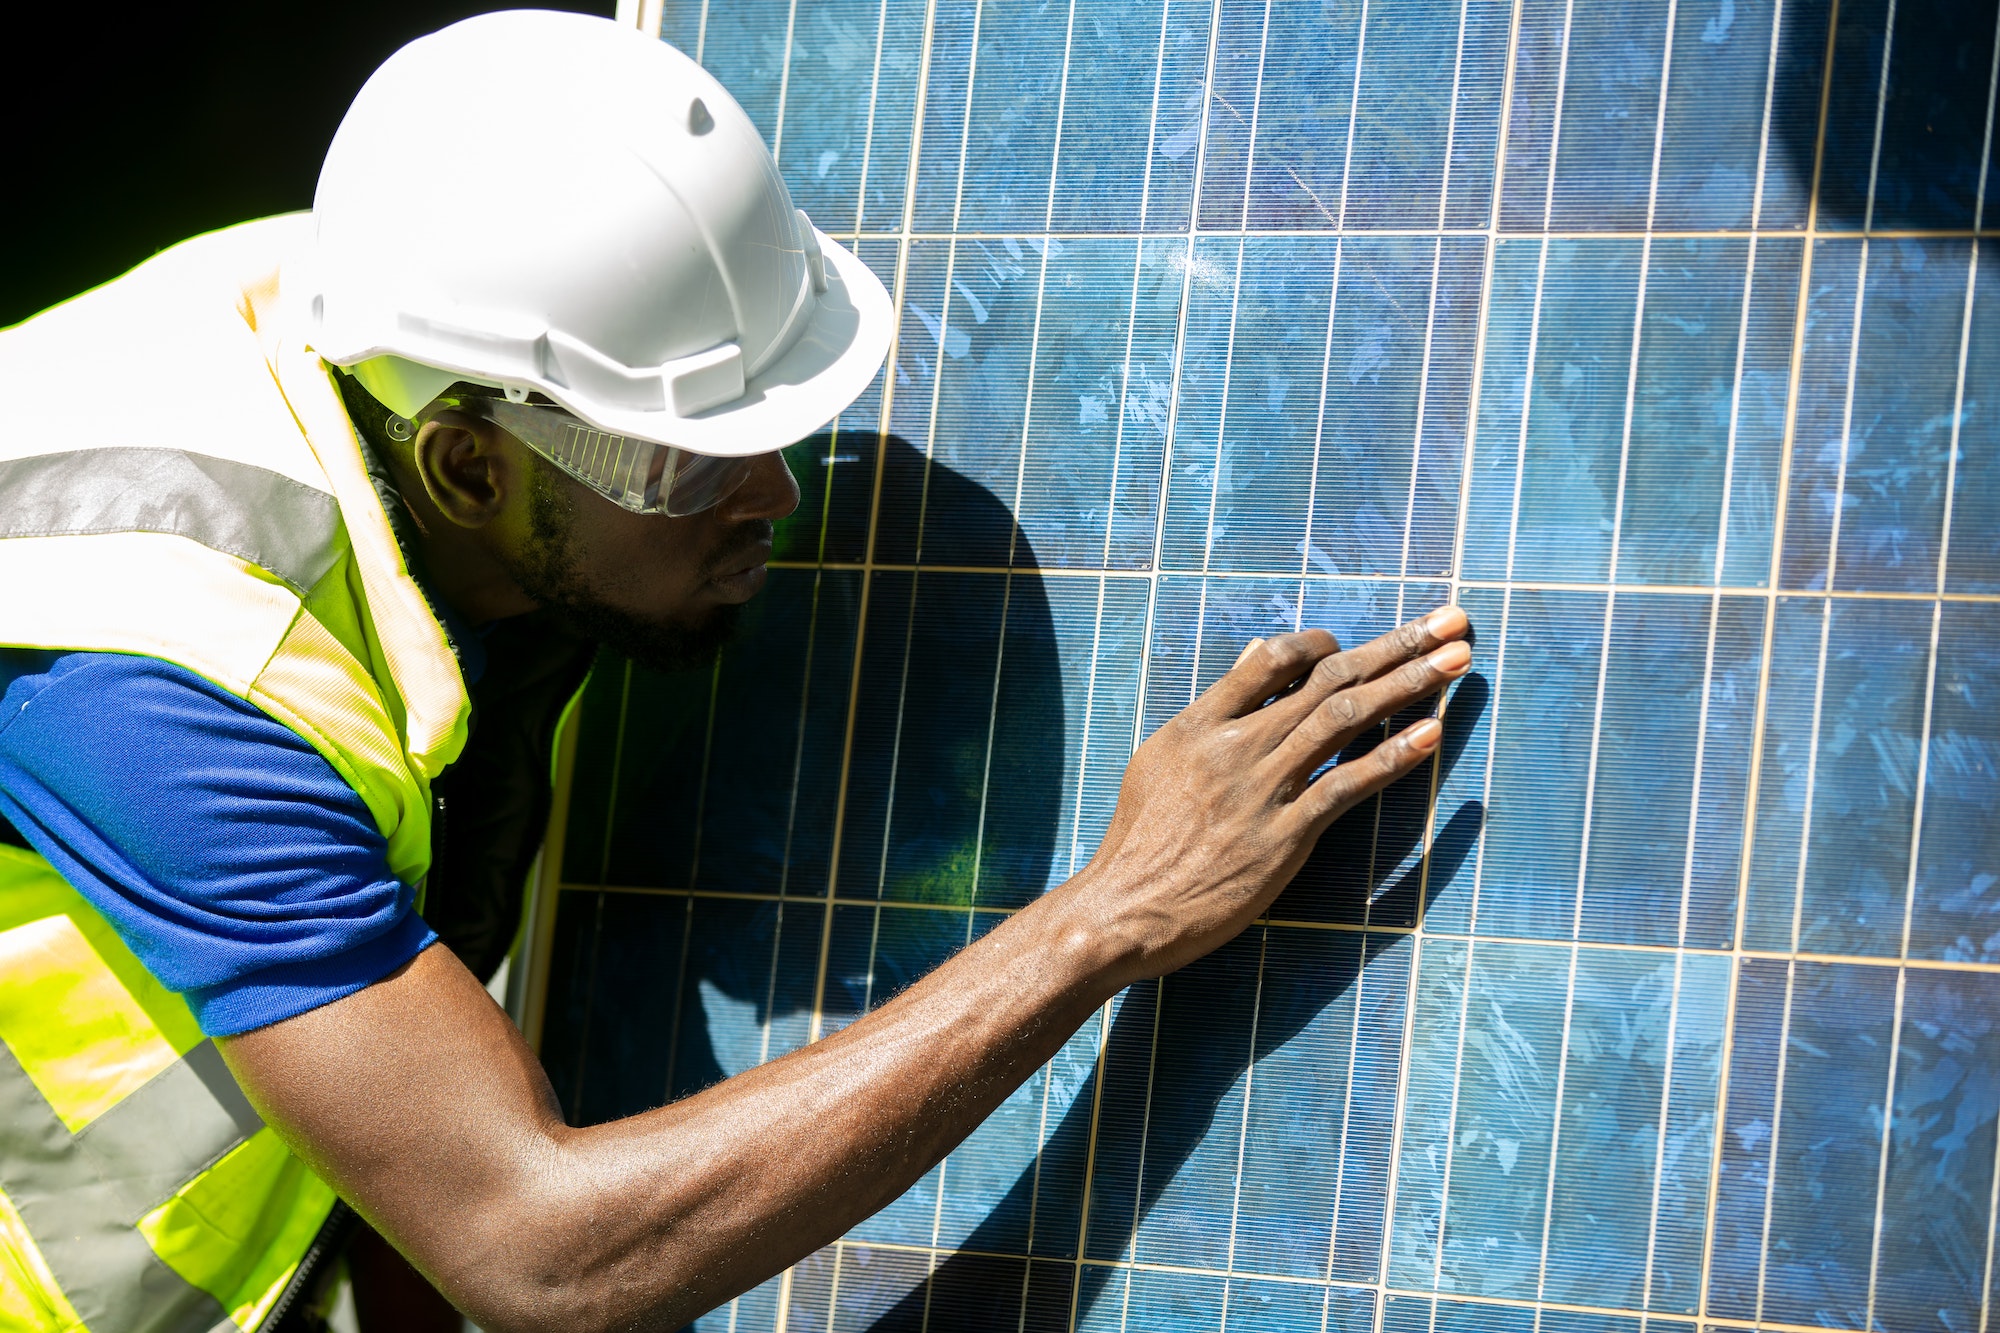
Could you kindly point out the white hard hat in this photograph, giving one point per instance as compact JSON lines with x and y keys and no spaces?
{"x":628,"y":249}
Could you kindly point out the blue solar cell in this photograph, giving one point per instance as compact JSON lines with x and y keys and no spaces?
{"x":1220,"y":319}
{"x":1743,"y":1174}
{"x":1827,"y":1145}
{"x":1944,"y":1110}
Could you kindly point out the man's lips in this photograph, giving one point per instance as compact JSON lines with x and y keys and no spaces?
{"x":742,"y":576}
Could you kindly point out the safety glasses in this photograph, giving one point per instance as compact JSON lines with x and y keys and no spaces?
{"x":638,"y":475}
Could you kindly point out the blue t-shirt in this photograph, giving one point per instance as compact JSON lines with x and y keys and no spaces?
{"x":227,"y":853}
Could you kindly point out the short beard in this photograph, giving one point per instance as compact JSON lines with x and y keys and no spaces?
{"x":550,"y":571}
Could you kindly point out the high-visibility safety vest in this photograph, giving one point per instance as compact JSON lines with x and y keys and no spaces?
{"x":178,"y":478}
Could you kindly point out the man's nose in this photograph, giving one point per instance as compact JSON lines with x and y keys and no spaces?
{"x":770,"y":492}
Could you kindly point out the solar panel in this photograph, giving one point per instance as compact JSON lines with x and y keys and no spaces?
{"x":1661,"y":336}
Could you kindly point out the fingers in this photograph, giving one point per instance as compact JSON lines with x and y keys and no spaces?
{"x":1345,"y":714}
{"x":1267,"y":667}
{"x":1346,"y":785}
{"x":1402,"y":644}
{"x":1345,"y":670}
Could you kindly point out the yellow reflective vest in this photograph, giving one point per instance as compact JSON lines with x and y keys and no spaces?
{"x":178,"y":478}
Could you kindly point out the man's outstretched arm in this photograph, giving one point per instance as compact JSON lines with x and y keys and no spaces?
{"x":417,"y":1099}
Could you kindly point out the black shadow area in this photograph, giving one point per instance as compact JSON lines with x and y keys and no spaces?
{"x":729,"y":781}
{"x":1931,"y":109}
{"x":988,"y":1293}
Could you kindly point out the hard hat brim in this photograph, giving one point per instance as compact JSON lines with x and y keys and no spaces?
{"x":830,"y":364}
{"x":836,"y":357}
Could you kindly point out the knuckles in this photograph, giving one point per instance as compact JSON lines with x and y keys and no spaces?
{"x":1287,"y":653}
{"x":1335,"y":673}
{"x":1343,"y":709}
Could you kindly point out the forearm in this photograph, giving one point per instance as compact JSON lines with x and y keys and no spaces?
{"x":700,"y":1200}
{"x":645,"y":1222}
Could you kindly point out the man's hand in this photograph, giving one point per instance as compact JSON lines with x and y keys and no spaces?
{"x":1219,"y":809}
{"x":418,"y":1101}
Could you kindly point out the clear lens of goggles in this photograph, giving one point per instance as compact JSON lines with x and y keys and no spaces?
{"x":638,"y":475}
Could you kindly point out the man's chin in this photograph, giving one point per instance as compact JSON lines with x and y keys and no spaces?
{"x":666,"y":646}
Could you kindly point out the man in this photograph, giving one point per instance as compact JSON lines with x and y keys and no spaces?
{"x":308,"y":523}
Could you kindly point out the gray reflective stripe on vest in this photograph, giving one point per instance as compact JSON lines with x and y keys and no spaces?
{"x":81,"y":1195}
{"x":280,"y":525}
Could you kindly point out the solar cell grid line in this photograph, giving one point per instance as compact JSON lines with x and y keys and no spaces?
{"x":1489,"y":1305}
{"x":1146,"y":176}
{"x":1353,"y":112}
{"x":979,"y":841}
{"x":1779,"y":17}
{"x":1745,"y":869}
{"x":1066,"y":234}
{"x":1665,"y":951}
{"x":1243,"y":1122}
{"x":1882,"y":1149}
{"x":1319,"y":412}
{"x":1597,"y":720}
{"x":784,"y":82}
{"x":1221,"y":427}
{"x":1145,"y":665}
{"x":1472,"y":953}
{"x":1826,"y":610}
{"x":1621,"y":588}
{"x":1333,"y":1231}
{"x":707,"y":751}
{"x":868,"y":137}
{"x":1007,"y":584}
{"x":1105,"y":1014}
{"x":1145,"y":1127}
{"x":1564,"y":1046}
{"x":1930,"y":689}
{"x":1778,"y":1103}
{"x":896,"y":748}
{"x":1420,"y":951}
{"x":1979,"y":208}
{"x":899,"y":285}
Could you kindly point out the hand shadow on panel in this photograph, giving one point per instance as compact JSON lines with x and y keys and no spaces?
{"x":985,"y":1292}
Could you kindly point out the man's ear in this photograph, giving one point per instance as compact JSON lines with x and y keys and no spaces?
{"x":465,"y":467}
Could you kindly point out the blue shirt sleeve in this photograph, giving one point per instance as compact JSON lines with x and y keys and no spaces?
{"x":226,"y":852}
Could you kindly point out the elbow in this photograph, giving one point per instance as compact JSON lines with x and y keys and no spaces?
{"x":546,"y":1259}
{"x":508,"y":1304}
{"x":511,"y":1299}
{"x":516,"y":1292}
{"x":525,"y":1275}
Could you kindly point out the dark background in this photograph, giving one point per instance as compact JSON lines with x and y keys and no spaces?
{"x":124,"y":137}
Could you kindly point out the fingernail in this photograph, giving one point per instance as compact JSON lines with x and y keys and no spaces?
{"x":1445,"y":622}
{"x":1248,"y":649}
{"x":1425,"y":735}
{"x":1451,"y":659}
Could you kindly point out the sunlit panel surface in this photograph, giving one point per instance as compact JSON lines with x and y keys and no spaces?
{"x":1663,"y":336}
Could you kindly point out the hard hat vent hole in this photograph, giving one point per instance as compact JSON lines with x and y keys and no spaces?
{"x":699,"y":121}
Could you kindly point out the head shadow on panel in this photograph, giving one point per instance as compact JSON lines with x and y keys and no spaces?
{"x":1884,"y":114}
{"x":1924,"y":168}
{"x":729,"y":780}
